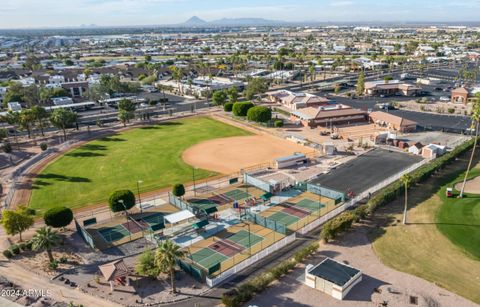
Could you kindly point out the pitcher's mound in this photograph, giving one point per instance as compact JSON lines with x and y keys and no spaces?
{"x":229,"y":155}
{"x":472,"y":186}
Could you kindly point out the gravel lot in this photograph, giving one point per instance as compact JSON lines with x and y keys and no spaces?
{"x":355,"y":249}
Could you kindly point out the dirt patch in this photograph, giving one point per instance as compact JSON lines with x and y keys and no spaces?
{"x":228,"y":155}
{"x":472,"y":186}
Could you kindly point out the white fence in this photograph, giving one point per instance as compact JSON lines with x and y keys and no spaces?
{"x":212,"y":282}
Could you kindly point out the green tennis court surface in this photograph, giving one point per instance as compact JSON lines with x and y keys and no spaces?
{"x":283,"y":218}
{"x":112,"y":234}
{"x":309,"y":204}
{"x":208,"y":258}
{"x":237,"y":194}
{"x":202,"y":202}
{"x":245,"y":238}
{"x":155,"y":221}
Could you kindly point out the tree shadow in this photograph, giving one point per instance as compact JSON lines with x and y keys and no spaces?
{"x":93,"y":147}
{"x":112,"y":139}
{"x":84,"y":154}
{"x":63,"y":178}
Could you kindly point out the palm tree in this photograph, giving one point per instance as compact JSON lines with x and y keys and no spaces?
{"x":166,"y":258}
{"x":406,"y":180}
{"x":45,"y":239}
{"x":475,"y":116}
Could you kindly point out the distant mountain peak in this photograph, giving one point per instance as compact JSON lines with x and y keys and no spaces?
{"x":195,"y":21}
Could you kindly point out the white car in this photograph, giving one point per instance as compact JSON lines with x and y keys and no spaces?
{"x":444,"y":98}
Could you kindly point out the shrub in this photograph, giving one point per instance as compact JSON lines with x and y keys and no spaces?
{"x":228,"y":107}
{"x":8,"y":254}
{"x":53,"y":265}
{"x":451,"y":110}
{"x":278,"y":123}
{"x":259,"y":114}
{"x":241,"y":108}
{"x":28,"y":245}
{"x":178,"y":190}
{"x":22,"y":246}
{"x":63,"y":259}
{"x":58,"y":217}
{"x":15,"y":249}
{"x":43,"y":146}
{"x":128,"y":200}
{"x":246,"y":291}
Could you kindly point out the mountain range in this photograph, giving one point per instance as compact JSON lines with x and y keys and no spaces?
{"x":198,"y":22}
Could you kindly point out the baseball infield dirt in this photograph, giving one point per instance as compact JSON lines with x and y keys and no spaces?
{"x":228,"y":155}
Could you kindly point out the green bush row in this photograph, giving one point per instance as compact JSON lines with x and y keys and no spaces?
{"x":345,"y":220}
{"x":246,"y":291}
{"x":15,"y":249}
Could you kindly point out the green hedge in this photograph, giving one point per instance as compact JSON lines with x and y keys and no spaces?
{"x":345,"y":220}
{"x":259,"y":114}
{"x":245,"y":292}
{"x":241,"y":108}
{"x":228,"y":107}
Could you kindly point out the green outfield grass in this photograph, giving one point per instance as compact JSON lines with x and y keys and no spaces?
{"x":88,"y":174}
{"x":441,"y":242}
{"x":459,"y":219}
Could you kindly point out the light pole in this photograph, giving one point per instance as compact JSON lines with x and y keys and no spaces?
{"x":138,"y":192}
{"x":126,"y":215}
{"x":193,"y":177}
{"x":249,"y":242}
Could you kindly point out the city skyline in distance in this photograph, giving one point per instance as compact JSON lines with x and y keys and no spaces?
{"x":16,"y":14}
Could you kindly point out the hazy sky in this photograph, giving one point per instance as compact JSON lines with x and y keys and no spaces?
{"x":54,"y":13}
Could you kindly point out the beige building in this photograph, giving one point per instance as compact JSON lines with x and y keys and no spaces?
{"x":391,"y":88}
{"x":295,"y":101}
{"x":393,"y":122}
{"x":332,"y":277}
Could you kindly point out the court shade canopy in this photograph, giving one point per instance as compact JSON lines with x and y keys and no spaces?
{"x":178,"y":216}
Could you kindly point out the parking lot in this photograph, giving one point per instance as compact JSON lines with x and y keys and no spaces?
{"x":367,"y":170}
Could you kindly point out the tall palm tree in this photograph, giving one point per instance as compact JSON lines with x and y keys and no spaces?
{"x":45,"y":239}
{"x":475,"y":116}
{"x":406,"y":180}
{"x":166,"y":258}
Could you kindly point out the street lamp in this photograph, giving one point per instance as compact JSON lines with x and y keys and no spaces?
{"x":249,"y":242}
{"x":193,"y":176}
{"x":126,"y":215}
{"x":138,"y":192}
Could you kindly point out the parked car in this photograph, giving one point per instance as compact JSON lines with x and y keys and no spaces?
{"x":444,"y":98}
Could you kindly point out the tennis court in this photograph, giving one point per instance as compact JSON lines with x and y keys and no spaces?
{"x":112,"y":234}
{"x":134,"y":226}
{"x":237,"y":194}
{"x":208,"y":258}
{"x":245,"y":239}
{"x":154,"y":221}
{"x":283,"y":218}
{"x":309,"y":204}
{"x":227,"y":249}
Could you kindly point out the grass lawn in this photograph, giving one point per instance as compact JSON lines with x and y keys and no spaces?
{"x":421,"y":248}
{"x":459,"y":219}
{"x":88,"y":174}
